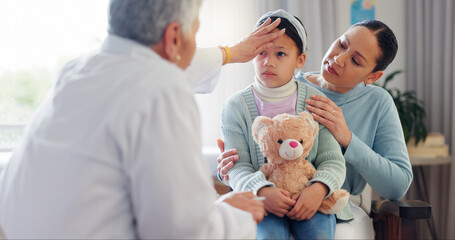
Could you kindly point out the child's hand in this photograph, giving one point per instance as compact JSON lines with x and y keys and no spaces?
{"x":277,"y":200}
{"x":308,"y":201}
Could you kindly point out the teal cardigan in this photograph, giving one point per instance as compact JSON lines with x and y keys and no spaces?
{"x":238,"y":114}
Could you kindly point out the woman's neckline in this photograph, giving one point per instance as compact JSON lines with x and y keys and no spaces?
{"x":317,"y":80}
{"x":339,"y":98}
{"x":313,"y":78}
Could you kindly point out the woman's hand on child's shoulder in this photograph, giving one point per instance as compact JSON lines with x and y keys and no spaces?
{"x":326,"y":112}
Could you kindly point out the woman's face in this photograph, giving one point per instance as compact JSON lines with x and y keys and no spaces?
{"x":350,"y":59}
{"x":275,"y":66}
{"x":188,"y":46}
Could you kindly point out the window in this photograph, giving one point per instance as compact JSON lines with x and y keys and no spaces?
{"x":224,"y":23}
{"x":37,"y":38}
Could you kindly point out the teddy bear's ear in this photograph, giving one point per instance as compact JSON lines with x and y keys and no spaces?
{"x":305,"y":115}
{"x":260,"y":123}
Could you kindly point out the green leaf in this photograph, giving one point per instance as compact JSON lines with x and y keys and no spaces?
{"x":411,"y":110}
{"x":390,"y":77}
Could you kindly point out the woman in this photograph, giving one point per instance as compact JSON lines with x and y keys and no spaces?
{"x":362,"y":117}
{"x":106,"y":154}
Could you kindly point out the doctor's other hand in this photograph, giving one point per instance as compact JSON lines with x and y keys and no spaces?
{"x":256,"y":42}
{"x":225,"y":160}
{"x":246,"y":202}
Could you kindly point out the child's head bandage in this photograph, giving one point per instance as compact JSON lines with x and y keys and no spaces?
{"x":280,"y":13}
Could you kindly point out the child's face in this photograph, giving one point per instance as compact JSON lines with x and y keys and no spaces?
{"x":275,"y":66}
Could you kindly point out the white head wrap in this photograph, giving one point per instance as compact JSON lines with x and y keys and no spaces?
{"x":283,"y":14}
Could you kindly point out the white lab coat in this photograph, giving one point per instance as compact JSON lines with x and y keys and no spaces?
{"x":115,"y":152}
{"x":204,"y":71}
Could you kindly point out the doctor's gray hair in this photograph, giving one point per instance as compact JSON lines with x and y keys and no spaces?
{"x":144,"y":21}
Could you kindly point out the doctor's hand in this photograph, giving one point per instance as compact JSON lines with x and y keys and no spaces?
{"x":245,"y":201}
{"x":256,"y":42}
{"x":225,"y":160}
{"x":326,"y":112}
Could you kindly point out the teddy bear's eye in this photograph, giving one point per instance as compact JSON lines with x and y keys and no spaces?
{"x":301,"y":141}
{"x":280,"y":141}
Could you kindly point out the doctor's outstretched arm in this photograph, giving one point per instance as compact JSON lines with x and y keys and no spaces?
{"x":204,"y":71}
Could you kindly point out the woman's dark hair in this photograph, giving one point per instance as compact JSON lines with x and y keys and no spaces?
{"x":290,"y":31}
{"x":386,"y":41}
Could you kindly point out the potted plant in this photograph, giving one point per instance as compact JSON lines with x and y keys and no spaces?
{"x":410,"y":109}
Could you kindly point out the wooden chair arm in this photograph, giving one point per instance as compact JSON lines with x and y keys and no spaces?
{"x":220,"y":187}
{"x":398,"y":219}
{"x":410,"y":209}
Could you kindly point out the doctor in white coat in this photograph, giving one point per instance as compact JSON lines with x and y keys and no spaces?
{"x":115,"y":149}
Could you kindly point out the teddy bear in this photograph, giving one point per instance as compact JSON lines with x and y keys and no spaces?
{"x":285,"y":141}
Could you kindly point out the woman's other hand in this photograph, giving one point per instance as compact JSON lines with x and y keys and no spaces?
{"x":225,"y":160}
{"x":277,"y":200}
{"x":326,"y":112}
{"x":246,"y":202}
{"x":256,"y":42}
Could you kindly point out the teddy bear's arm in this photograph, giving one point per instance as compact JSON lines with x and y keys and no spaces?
{"x":266,"y":169}
{"x":309,"y":170}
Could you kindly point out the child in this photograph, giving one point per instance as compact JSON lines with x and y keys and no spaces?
{"x":273,"y":92}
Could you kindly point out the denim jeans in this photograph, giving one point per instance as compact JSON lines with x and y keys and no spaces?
{"x":320,"y":226}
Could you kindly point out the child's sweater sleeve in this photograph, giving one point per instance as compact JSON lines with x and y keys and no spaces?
{"x":236,"y":128}
{"x":329,"y":162}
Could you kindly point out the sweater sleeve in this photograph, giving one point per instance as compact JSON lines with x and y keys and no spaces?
{"x":329,"y":162}
{"x":204,"y":71}
{"x":385,"y":166}
{"x":245,"y":174}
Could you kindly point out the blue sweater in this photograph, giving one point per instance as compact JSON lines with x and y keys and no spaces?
{"x":377,"y":153}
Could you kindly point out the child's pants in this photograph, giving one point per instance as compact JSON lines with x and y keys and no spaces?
{"x":320,"y":226}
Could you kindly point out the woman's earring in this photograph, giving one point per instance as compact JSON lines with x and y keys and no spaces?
{"x":365,"y":84}
{"x":177,"y":58}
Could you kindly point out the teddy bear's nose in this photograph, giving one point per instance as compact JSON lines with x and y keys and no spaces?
{"x":293,"y":144}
